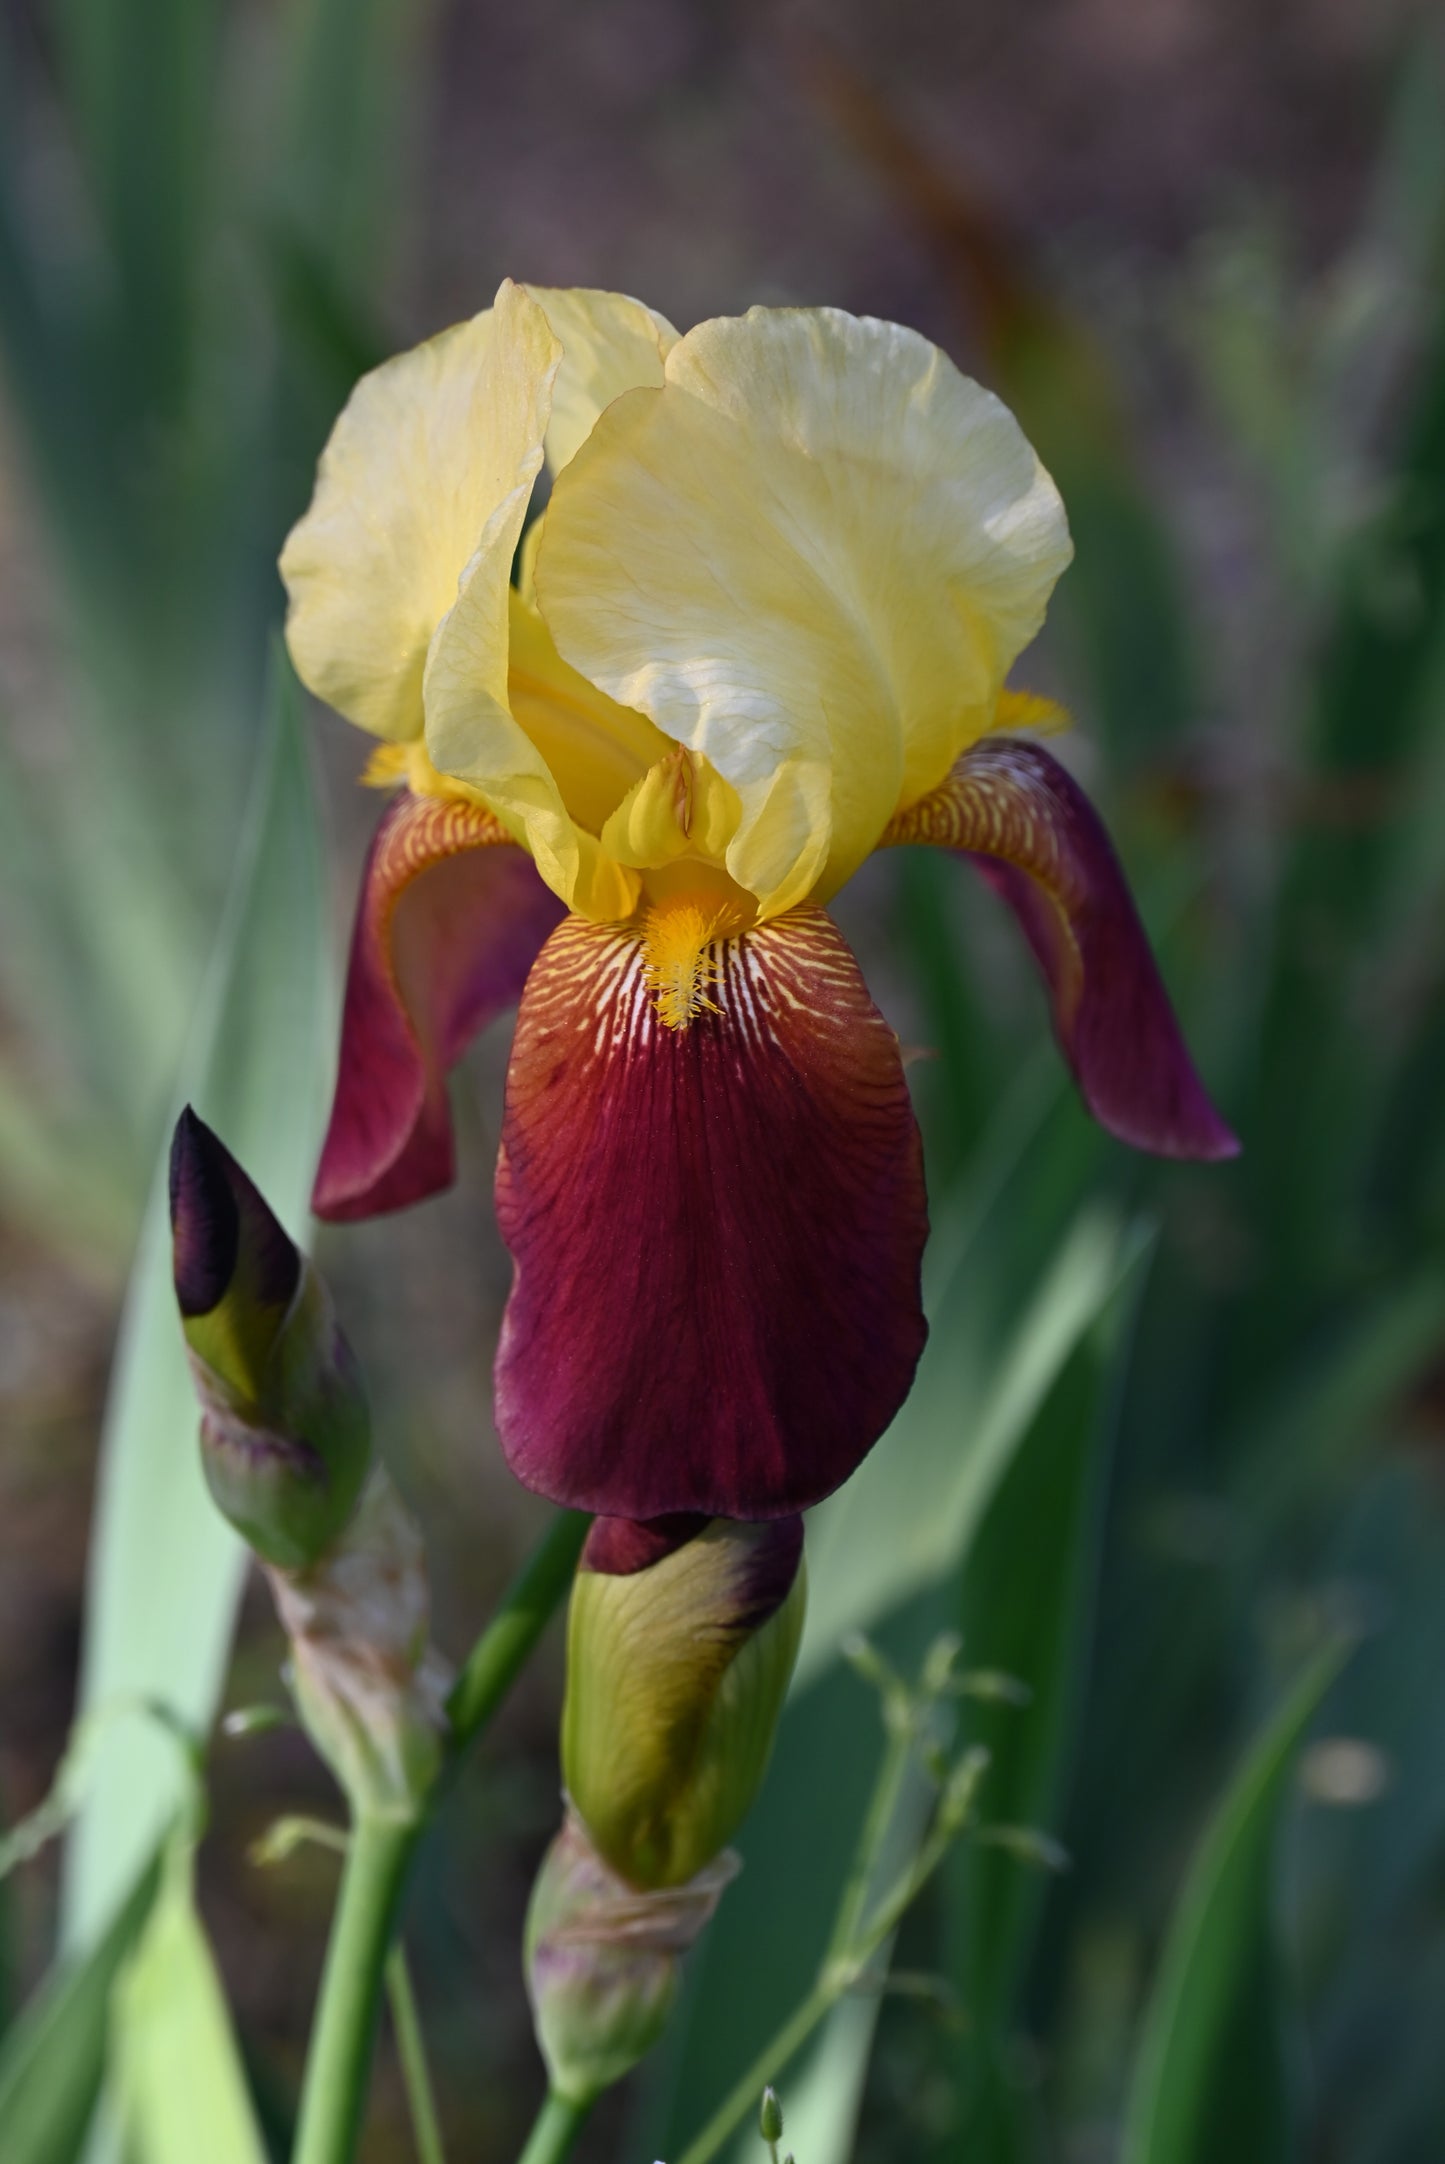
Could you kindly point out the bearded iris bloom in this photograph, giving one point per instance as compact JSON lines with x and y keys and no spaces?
{"x":762,"y":627}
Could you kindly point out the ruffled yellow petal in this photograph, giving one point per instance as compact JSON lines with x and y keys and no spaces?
{"x":610,"y":344}
{"x":812,"y":556}
{"x":551,"y":754}
{"x":595,"y":749}
{"x":505,"y":714}
{"x":427,"y":474}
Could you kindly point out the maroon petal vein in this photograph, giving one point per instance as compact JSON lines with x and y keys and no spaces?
{"x":717,"y":1230}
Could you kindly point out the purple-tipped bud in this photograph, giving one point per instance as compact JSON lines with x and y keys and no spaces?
{"x":603,"y":1961}
{"x":681,"y":1640}
{"x":285,"y":1430}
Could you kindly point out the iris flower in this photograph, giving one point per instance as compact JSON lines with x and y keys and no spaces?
{"x":761,"y":628}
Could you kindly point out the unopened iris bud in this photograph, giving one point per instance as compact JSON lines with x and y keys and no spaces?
{"x":681,"y":1642}
{"x":604,"y":1960}
{"x":285,"y":1430}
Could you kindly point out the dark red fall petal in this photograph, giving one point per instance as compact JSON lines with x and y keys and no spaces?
{"x":1037,"y":840}
{"x":450,"y":919}
{"x":620,"y":1547}
{"x":717,"y":1230}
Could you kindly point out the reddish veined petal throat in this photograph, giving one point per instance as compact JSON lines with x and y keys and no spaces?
{"x":450,"y":919}
{"x":1038,"y":841}
{"x":717,"y":1230}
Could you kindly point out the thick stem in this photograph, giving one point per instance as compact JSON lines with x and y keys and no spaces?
{"x":338,"y":2062}
{"x":554,"y":2134}
{"x":516,"y":1627}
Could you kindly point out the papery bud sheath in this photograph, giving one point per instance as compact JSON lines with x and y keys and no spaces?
{"x":603,"y":1961}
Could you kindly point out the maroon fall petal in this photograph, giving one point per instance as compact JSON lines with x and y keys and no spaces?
{"x":717,"y":1230}
{"x":1035,"y":837}
{"x":451,"y":917}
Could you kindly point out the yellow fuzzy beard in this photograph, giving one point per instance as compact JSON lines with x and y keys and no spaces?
{"x":678,"y":966}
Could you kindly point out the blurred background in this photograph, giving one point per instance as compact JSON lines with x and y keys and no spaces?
{"x":1177,"y":1427}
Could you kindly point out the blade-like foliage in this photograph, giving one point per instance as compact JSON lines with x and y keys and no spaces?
{"x":165,"y":1570}
{"x":54,"y":2058}
{"x":181,"y":2090}
{"x":1211,"y":2078}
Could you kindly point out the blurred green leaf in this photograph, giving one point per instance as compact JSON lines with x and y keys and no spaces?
{"x":345,"y":77}
{"x":165,"y":1570}
{"x":1026,"y":1609}
{"x":53,"y":2059}
{"x":1210,"y":2079}
{"x":141,"y":104}
{"x":911,"y":1510}
{"x":182,"y":2094}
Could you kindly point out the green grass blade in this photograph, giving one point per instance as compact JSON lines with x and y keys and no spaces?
{"x":182,"y":2093}
{"x":343,"y":104}
{"x":141,"y":95}
{"x":165,"y":1571}
{"x":1210,"y":2080}
{"x":910,"y":1512}
{"x":1025,"y":1611}
{"x":54,"y":2058}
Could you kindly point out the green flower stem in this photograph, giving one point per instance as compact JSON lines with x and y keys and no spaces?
{"x":554,"y":2134}
{"x":378,"y":1857}
{"x":770,"y":2061}
{"x":411,"y":2051}
{"x":338,"y":2060}
{"x":520,"y":1621}
{"x":887,"y":1788}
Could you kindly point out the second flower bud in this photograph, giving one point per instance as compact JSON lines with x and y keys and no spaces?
{"x":681,"y":1642}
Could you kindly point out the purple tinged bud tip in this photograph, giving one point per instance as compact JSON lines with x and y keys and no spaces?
{"x":618,"y":1547}
{"x":770,"y":1554}
{"x":210,"y":1198}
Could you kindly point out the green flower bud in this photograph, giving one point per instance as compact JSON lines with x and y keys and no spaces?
{"x":285,"y":1430}
{"x":681,"y":1640}
{"x":603,"y":1961}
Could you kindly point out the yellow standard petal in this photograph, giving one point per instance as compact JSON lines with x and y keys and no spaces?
{"x":610,"y":344}
{"x":812,"y":556}
{"x":428,"y":472}
{"x":505,"y":714}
